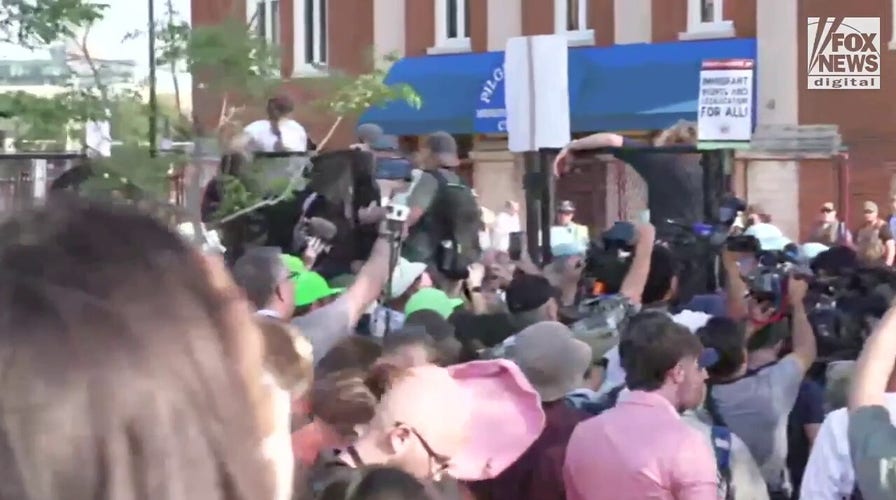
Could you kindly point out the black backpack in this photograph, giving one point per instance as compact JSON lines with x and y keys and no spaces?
{"x":454,"y":220}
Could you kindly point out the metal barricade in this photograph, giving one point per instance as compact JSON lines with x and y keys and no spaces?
{"x":25,"y":177}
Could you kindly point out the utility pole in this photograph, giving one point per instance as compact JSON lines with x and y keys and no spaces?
{"x":153,"y":103}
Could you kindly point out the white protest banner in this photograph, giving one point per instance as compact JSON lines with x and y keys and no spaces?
{"x":536,"y":92}
{"x":725,"y":105}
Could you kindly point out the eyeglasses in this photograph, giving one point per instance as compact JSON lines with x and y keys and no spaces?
{"x":442,"y":462}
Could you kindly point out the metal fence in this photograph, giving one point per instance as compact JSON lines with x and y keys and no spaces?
{"x":26,"y":177}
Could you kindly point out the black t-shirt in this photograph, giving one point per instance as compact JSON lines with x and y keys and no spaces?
{"x":674,"y":182}
{"x":808,"y":409}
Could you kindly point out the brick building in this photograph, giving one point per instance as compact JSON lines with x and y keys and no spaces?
{"x":320,"y":35}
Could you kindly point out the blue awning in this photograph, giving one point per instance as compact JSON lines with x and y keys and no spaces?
{"x":642,"y":86}
{"x":623,"y":87}
{"x":451,"y":88}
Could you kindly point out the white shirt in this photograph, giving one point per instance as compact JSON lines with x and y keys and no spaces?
{"x":378,"y":321}
{"x":829,"y":474}
{"x":505,"y":223}
{"x":293,"y":133}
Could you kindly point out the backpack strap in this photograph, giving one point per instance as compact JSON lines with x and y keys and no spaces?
{"x":721,"y":447}
{"x":440,"y":177}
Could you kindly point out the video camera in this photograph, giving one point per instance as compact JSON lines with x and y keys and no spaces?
{"x":694,"y":245}
{"x":767,"y":279}
{"x":844,"y":307}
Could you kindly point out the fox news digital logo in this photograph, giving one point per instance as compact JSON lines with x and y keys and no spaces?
{"x":844,"y":53}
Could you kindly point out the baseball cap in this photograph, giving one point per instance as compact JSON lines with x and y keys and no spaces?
{"x":404,"y":275}
{"x":311,"y":287}
{"x":293,"y":264}
{"x":432,"y":299}
{"x":769,"y":236}
{"x":527,"y":292}
{"x":566,"y":206}
{"x":708,"y":357}
{"x":568,"y":249}
{"x":811,"y":250}
{"x":869,"y":206}
{"x":368,"y":133}
{"x":443,"y":146}
{"x":435,"y":325}
{"x":385,"y":142}
{"x":551,"y":358}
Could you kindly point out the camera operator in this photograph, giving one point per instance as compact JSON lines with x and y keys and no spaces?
{"x":326,"y":326}
{"x":752,"y":401}
{"x":531,"y":297}
{"x":658,"y":291}
{"x":445,"y":217}
{"x":393,"y":168}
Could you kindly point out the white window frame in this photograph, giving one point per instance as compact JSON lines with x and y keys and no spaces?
{"x":302,"y":66}
{"x":581,"y":36}
{"x":252,"y":19}
{"x":892,"y":44}
{"x":443,"y":44}
{"x":719,"y":27}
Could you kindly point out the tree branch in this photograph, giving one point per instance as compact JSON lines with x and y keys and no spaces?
{"x":330,"y":133}
{"x":94,"y":70}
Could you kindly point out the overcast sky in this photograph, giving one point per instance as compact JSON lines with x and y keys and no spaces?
{"x":122,"y":17}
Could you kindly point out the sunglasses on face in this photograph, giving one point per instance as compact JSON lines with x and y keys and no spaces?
{"x":869,"y":211}
{"x":826,"y":210}
{"x":442,"y":462}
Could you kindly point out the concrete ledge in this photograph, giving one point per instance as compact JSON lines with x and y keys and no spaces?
{"x":453,"y":46}
{"x":709,"y":31}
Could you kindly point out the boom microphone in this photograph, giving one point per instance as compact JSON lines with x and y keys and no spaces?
{"x":323,"y":229}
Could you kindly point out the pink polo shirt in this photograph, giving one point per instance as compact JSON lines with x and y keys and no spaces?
{"x":639,"y":449}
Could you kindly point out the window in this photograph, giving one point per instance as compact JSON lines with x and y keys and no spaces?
{"x":892,"y":44}
{"x":706,"y":20}
{"x":452,"y":26}
{"x":310,"y":51}
{"x":571,"y":19}
{"x":265,"y":18}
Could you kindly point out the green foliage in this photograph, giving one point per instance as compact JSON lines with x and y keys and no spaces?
{"x":230,"y":57}
{"x":346,"y":95}
{"x":131,"y":172}
{"x":46,"y":118}
{"x":256,"y":187}
{"x":35,"y":117}
{"x":36,"y":23}
{"x":351,"y":95}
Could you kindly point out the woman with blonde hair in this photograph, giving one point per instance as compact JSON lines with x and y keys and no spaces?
{"x":130,"y":363}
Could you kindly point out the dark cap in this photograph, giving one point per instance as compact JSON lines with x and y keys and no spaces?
{"x":368,"y":133}
{"x":443,"y":146}
{"x":566,"y":206}
{"x":527,"y":292}
{"x":434,"y":324}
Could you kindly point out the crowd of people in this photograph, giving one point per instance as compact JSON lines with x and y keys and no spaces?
{"x":136,"y":365}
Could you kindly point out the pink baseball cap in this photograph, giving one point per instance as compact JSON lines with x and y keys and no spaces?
{"x":506,"y":418}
